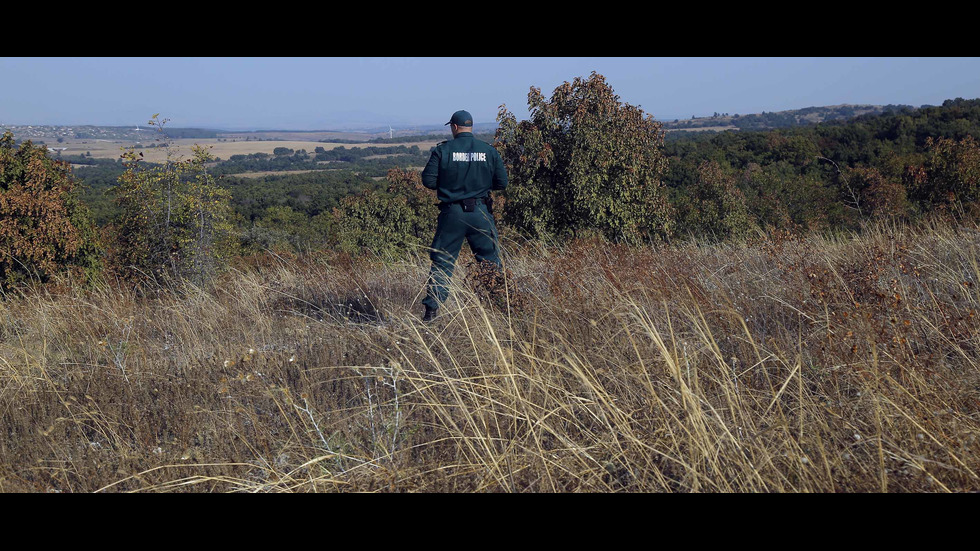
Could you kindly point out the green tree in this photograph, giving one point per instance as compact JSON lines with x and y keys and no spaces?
{"x":174,"y":220}
{"x":951,"y":177}
{"x":764,"y":189}
{"x":207,"y":238}
{"x":584,"y":162}
{"x":387,"y":223}
{"x":281,"y":228}
{"x":717,"y":206}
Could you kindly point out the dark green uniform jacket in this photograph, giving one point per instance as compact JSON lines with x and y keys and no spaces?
{"x":464,"y":167}
{"x":458,"y":169}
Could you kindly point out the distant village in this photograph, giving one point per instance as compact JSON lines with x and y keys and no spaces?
{"x":85,"y":140}
{"x":52,"y":133}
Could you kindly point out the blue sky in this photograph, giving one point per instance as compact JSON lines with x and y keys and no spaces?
{"x":308,"y":93}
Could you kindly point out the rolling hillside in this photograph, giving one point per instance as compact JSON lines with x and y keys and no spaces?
{"x":777,"y":119}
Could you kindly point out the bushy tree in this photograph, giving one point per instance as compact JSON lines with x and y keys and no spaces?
{"x":716,"y":206}
{"x":387,"y":223}
{"x":175,"y":220}
{"x":584,"y":162}
{"x":207,"y":238}
{"x":763,"y":196}
{"x":882,"y":196}
{"x":796,"y":150}
{"x":44,"y":228}
{"x":281,"y":228}
{"x":949,"y":181}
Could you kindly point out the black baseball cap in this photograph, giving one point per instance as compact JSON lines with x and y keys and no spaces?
{"x":461,"y":118}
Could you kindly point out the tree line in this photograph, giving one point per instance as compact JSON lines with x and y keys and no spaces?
{"x":904,"y":163}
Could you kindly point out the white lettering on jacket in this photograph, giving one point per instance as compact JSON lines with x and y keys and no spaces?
{"x":467,"y":156}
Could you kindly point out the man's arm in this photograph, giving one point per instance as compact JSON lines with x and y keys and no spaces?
{"x":430,"y":174}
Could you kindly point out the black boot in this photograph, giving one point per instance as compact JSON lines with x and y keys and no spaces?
{"x":430,"y":313}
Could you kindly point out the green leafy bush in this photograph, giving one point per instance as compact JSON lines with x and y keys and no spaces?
{"x":584,"y":162}
{"x":175,"y":220}
{"x":387,"y":223}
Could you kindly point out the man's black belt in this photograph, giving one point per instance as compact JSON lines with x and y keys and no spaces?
{"x":468,"y":204}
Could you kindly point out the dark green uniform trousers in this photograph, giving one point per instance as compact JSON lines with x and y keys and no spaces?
{"x":453,"y":226}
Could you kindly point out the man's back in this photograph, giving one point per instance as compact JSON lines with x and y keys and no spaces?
{"x":464,"y":167}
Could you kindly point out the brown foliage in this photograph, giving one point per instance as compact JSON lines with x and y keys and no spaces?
{"x":496,"y":287}
{"x":949,"y":180}
{"x":39,"y":226}
{"x":881,"y":196}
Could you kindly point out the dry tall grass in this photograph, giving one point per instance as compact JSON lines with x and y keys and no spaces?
{"x":781,"y":365}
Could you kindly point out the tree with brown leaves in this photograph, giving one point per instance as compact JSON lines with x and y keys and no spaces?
{"x":44,"y":229}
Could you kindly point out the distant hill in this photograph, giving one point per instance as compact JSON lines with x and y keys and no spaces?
{"x":779,"y":119}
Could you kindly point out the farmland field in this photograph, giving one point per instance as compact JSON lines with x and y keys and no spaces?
{"x":220,"y":147}
{"x":704,"y":129}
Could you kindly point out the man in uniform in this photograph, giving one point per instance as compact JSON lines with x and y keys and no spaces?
{"x":463,"y":171}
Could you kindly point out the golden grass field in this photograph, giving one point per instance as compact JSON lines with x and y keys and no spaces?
{"x":782,"y":364}
{"x":704,"y":128}
{"x":221,"y":149}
